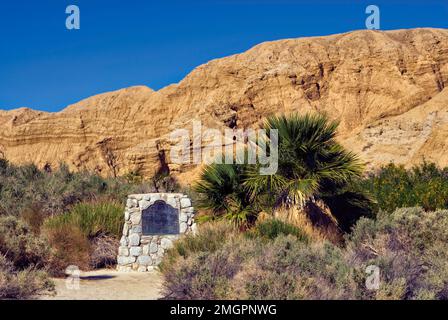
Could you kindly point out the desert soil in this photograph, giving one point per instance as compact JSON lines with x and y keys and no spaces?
{"x":108,"y":284}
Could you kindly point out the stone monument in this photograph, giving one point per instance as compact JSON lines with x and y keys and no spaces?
{"x":152,"y":222}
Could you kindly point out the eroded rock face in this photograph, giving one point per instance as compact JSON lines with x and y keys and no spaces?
{"x":386,"y":88}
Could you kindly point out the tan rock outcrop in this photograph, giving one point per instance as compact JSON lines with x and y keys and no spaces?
{"x":386,"y":88}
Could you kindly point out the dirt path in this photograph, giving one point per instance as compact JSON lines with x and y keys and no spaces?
{"x":109,"y":284}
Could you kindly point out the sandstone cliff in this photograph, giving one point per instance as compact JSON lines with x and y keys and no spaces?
{"x":386,"y":88}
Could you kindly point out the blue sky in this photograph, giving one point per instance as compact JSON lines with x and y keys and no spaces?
{"x":121,"y":43}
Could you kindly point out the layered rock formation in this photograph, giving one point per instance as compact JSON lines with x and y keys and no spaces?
{"x":386,"y":88}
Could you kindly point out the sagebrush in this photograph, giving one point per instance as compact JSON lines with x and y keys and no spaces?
{"x":410,"y":246}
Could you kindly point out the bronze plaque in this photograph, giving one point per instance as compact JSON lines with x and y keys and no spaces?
{"x":160,"y":218}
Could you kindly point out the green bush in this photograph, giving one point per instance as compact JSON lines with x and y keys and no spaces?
{"x":272,"y":228}
{"x":394,"y":187}
{"x":92,"y":219}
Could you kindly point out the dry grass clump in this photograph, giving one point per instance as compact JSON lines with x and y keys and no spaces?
{"x":22,"y":284}
{"x":69,"y":246}
{"x":104,"y":251}
{"x":315,"y":223}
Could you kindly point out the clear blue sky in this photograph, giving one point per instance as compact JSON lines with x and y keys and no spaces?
{"x":155,"y":43}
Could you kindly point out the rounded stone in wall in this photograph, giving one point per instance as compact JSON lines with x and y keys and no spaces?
{"x":136,"y":251}
{"x":185,"y":203}
{"x":125,"y":229}
{"x":136,"y":218}
{"x":134,"y":239}
{"x":136,"y":229}
{"x":144,"y":260}
{"x":183,"y":217}
{"x":123,"y":241}
{"x":123,"y":251}
{"x":143,"y":204}
{"x":153,"y":247}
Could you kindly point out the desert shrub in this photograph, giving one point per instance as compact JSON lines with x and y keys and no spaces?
{"x":272,"y":228}
{"x":23,"y":258}
{"x":288,"y":269}
{"x":56,"y":191}
{"x":162,"y":181}
{"x":22,"y":284}
{"x":20,"y":245}
{"x":92,"y":219}
{"x":410,"y":246}
{"x":69,"y":246}
{"x":205,"y":275}
{"x":211,"y":237}
{"x":34,"y":217}
{"x":393,"y":187}
{"x":247,"y":268}
{"x":4,"y":163}
{"x":218,"y":262}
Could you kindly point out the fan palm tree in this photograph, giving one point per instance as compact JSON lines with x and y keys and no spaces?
{"x":312,"y":167}
{"x":310,"y":161}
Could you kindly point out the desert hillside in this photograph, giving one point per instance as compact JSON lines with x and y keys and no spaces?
{"x":386,"y":88}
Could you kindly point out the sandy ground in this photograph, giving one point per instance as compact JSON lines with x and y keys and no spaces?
{"x":107,"y":284}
